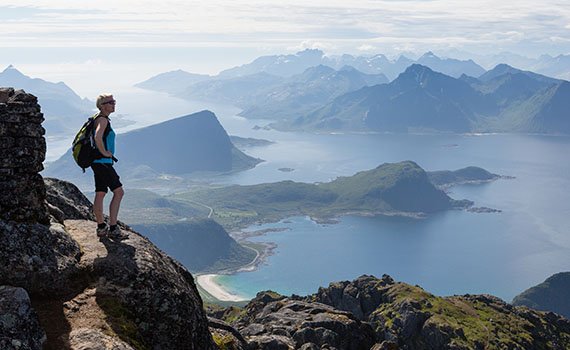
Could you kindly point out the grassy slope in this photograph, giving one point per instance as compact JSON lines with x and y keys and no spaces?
{"x":389,"y":189}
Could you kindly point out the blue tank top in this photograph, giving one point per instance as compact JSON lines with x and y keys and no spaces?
{"x":109,"y":143}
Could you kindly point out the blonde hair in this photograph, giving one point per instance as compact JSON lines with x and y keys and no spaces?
{"x":100,"y":99}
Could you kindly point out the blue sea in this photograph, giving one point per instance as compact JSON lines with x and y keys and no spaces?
{"x":453,"y":252}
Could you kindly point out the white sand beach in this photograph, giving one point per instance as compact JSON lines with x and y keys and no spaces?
{"x":208,"y":283}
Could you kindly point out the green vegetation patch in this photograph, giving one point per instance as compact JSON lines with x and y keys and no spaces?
{"x":467,"y":321}
{"x":224,"y":341}
{"x":390,"y":188}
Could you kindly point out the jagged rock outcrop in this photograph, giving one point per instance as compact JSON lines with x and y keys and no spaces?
{"x":33,"y":254}
{"x":272,"y":321}
{"x":401,"y":317}
{"x":135,"y":291}
{"x":88,"y":294}
{"x":22,"y":191}
{"x":19,"y":325}
{"x":415,"y":319}
{"x":66,"y":202}
{"x":41,"y":259}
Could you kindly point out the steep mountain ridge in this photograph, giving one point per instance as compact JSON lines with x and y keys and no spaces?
{"x":551,"y":295}
{"x":390,"y":187}
{"x":508,"y":100}
{"x":202,"y":245}
{"x":180,"y":146}
{"x":62,"y":107}
{"x":418,"y":99}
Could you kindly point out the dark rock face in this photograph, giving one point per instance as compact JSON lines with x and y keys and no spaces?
{"x":66,"y":201}
{"x":408,"y":317}
{"x":275,"y":322}
{"x":154,"y":292}
{"x":360,"y":297}
{"x":401,"y":317}
{"x":39,"y":258}
{"x":19,"y":325}
{"x":34,"y":256}
{"x":22,"y":191}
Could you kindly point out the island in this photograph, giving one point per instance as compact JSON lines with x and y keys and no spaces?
{"x":391,"y":189}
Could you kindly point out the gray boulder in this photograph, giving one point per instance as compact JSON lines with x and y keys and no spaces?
{"x":42,"y":259}
{"x":19,"y":325}
{"x":286,"y":323}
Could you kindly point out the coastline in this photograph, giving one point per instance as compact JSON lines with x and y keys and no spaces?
{"x":208,"y":283}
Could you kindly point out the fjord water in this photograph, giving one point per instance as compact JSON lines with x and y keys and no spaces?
{"x":454,"y":252}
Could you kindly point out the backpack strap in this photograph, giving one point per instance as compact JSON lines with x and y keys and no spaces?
{"x":107,"y":129}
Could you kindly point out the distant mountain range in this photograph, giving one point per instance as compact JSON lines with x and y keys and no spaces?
{"x":266,"y":95}
{"x":241,"y":84}
{"x":311,"y":91}
{"x":551,"y":295}
{"x":558,"y":66}
{"x":173,"y":82}
{"x":307,"y":91}
{"x":289,"y":65}
{"x":177,"y":147}
{"x":504,"y":99}
{"x":63,"y":109}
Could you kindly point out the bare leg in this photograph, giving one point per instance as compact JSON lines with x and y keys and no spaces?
{"x":98,"y":207}
{"x":115,"y":205}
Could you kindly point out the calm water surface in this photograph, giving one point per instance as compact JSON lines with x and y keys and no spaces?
{"x":454,"y":252}
{"x":449,"y":253}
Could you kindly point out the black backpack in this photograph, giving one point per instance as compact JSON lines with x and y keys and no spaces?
{"x":83,"y":147}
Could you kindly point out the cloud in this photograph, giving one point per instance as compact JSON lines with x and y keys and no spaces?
{"x":311,"y":44}
{"x":366,"y":47}
{"x":333,"y":24}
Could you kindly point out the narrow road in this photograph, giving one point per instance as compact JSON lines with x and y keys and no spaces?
{"x":203,"y":205}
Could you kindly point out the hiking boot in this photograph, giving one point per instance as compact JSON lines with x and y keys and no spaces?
{"x":117,"y":234}
{"x":103,"y":231}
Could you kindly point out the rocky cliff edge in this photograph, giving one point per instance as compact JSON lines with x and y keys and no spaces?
{"x":60,"y":286}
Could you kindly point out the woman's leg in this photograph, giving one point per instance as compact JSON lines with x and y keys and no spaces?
{"x":115,"y":205}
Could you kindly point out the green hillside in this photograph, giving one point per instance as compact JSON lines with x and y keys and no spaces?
{"x":551,"y":295}
{"x":390,"y":189}
{"x":202,"y":245}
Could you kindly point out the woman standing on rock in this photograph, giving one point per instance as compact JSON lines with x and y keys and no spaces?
{"x":105,"y":174}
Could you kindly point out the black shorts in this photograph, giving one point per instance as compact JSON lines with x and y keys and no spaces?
{"x":105,"y":177}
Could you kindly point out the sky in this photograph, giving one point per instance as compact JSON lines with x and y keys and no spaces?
{"x":121,"y":42}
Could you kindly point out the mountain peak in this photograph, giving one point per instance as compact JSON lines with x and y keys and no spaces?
{"x":428,"y":54}
{"x":11,"y":70}
{"x":310,"y":52}
{"x":418,"y":69}
{"x":503,"y":68}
